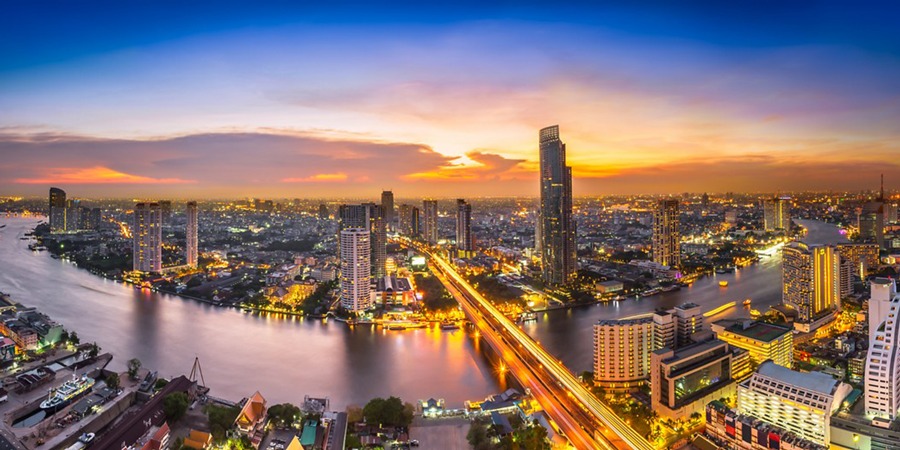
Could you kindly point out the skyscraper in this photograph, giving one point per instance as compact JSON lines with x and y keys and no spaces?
{"x":430,"y":222}
{"x":57,"y":210}
{"x":777,"y":213}
{"x":666,"y":243}
{"x":558,"y":257}
{"x":165,"y":208}
{"x":811,"y":282}
{"x":356,"y":269}
{"x":882,"y":386}
{"x":147,"y":237}
{"x":191,"y":234}
{"x":387,"y":202}
{"x":73,"y":215}
{"x":464,"y":240}
{"x":408,"y":220}
{"x":371,"y":217}
{"x":871,"y":219}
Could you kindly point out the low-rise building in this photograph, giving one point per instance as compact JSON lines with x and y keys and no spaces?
{"x":764,"y":341}
{"x":739,"y":431}
{"x":683,"y":381}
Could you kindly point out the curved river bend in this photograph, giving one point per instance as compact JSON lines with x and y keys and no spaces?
{"x":286,"y":359}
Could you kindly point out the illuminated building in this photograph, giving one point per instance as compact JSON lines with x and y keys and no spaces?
{"x":369,"y":216}
{"x":666,"y":243}
{"x":683,"y":381}
{"x":664,"y":335}
{"x":147,"y":237}
{"x":465,"y":242}
{"x":777,"y":213}
{"x":762,"y":340}
{"x":882,"y":374}
{"x":557,"y":227}
{"x":190,"y":246}
{"x":746,"y":432}
{"x":622,"y":352}
{"x":861,"y":255}
{"x":387,"y":203}
{"x":871,"y":220}
{"x":73,"y":215}
{"x":801,"y":403}
{"x":688,"y":321}
{"x":57,"y":211}
{"x":811,"y":282}
{"x":165,"y":208}
{"x":430,"y":222}
{"x":356,"y":269}
{"x":409,"y":220}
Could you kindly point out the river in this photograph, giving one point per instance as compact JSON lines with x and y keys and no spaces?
{"x":287,"y":358}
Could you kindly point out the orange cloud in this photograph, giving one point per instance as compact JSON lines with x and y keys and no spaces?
{"x":487,"y":166}
{"x":95,"y":175}
{"x":318,"y":178}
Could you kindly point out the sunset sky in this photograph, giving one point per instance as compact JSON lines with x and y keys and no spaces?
{"x":218,"y":99}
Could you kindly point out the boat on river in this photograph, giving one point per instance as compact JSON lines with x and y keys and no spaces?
{"x":723,"y":283}
{"x":747,"y":302}
{"x":70,"y":390}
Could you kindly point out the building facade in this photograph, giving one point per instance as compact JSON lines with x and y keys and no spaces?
{"x":57,"y":210}
{"x":408,"y":223}
{"x":147,"y":237}
{"x":356,"y":269}
{"x":430,"y":221}
{"x":777,"y":214}
{"x":811,"y":280}
{"x":371,"y":217}
{"x":666,"y":245}
{"x":684,"y":381}
{"x":739,"y":431}
{"x":387,"y":203}
{"x":464,"y":240}
{"x":191,"y":241}
{"x":801,"y":403}
{"x":762,"y":340}
{"x":862,"y":256}
{"x":622,"y":352}
{"x":557,"y":227}
{"x":882,"y":373}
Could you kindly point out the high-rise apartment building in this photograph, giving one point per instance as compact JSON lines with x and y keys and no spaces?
{"x":147,"y":237}
{"x":387,"y":204}
{"x":882,"y":374}
{"x":777,"y":214}
{"x":57,"y":211}
{"x":430,"y":220}
{"x":811,"y":282}
{"x":464,"y":240}
{"x":666,"y":243}
{"x":557,"y":226}
{"x":861,"y":256}
{"x":408,"y":223}
{"x":799,"y":402}
{"x":165,"y":208}
{"x":371,"y":217}
{"x":356,"y":269}
{"x":622,"y":352}
{"x":73,"y":215}
{"x":191,"y":241}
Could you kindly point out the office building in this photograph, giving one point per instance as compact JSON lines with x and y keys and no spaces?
{"x":430,"y":221}
{"x":666,"y":245}
{"x":557,"y":226}
{"x":882,"y":374}
{"x":147,"y":237}
{"x":740,"y":431}
{"x":57,"y":211}
{"x":408,"y":220}
{"x":811,"y":283}
{"x":801,"y":403}
{"x":387,"y":203}
{"x":863,"y":257}
{"x":777,"y":214}
{"x":683,"y":381}
{"x":762,"y":340}
{"x":356,"y":269}
{"x":622,"y":353}
{"x":465,"y":242}
{"x":191,"y":241}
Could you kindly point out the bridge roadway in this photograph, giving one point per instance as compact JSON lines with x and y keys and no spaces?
{"x":572,"y":406}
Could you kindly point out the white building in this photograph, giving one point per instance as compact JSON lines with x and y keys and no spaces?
{"x":882,"y":375}
{"x":356,"y":269}
{"x":882,"y":291}
{"x":798,"y":402}
{"x":191,"y":235}
{"x":622,"y":352}
{"x":147,"y":237}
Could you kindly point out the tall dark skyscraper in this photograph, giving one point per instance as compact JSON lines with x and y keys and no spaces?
{"x":871,"y":220}
{"x":387,"y":202}
{"x":667,"y":234}
{"x":429,"y":221}
{"x":557,"y":228}
{"x":371,"y":217}
{"x":191,"y":247}
{"x":57,"y":211}
{"x":464,"y":240}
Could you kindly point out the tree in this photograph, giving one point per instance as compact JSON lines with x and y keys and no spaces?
{"x":390,"y":412}
{"x":64,"y":336}
{"x":73,"y":338}
{"x":175,"y":405}
{"x":221,"y":419}
{"x":354,"y":414}
{"x":587,"y":377}
{"x":134,"y":365}
{"x":94,"y":351}
{"x":112,"y":381}
{"x":284,"y":414}
{"x":478,"y":435}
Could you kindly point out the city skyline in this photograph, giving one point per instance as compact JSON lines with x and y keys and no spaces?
{"x":652,"y":99}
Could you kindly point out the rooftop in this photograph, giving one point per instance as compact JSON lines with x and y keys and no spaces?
{"x":759,"y":331}
{"x":813,"y":381}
